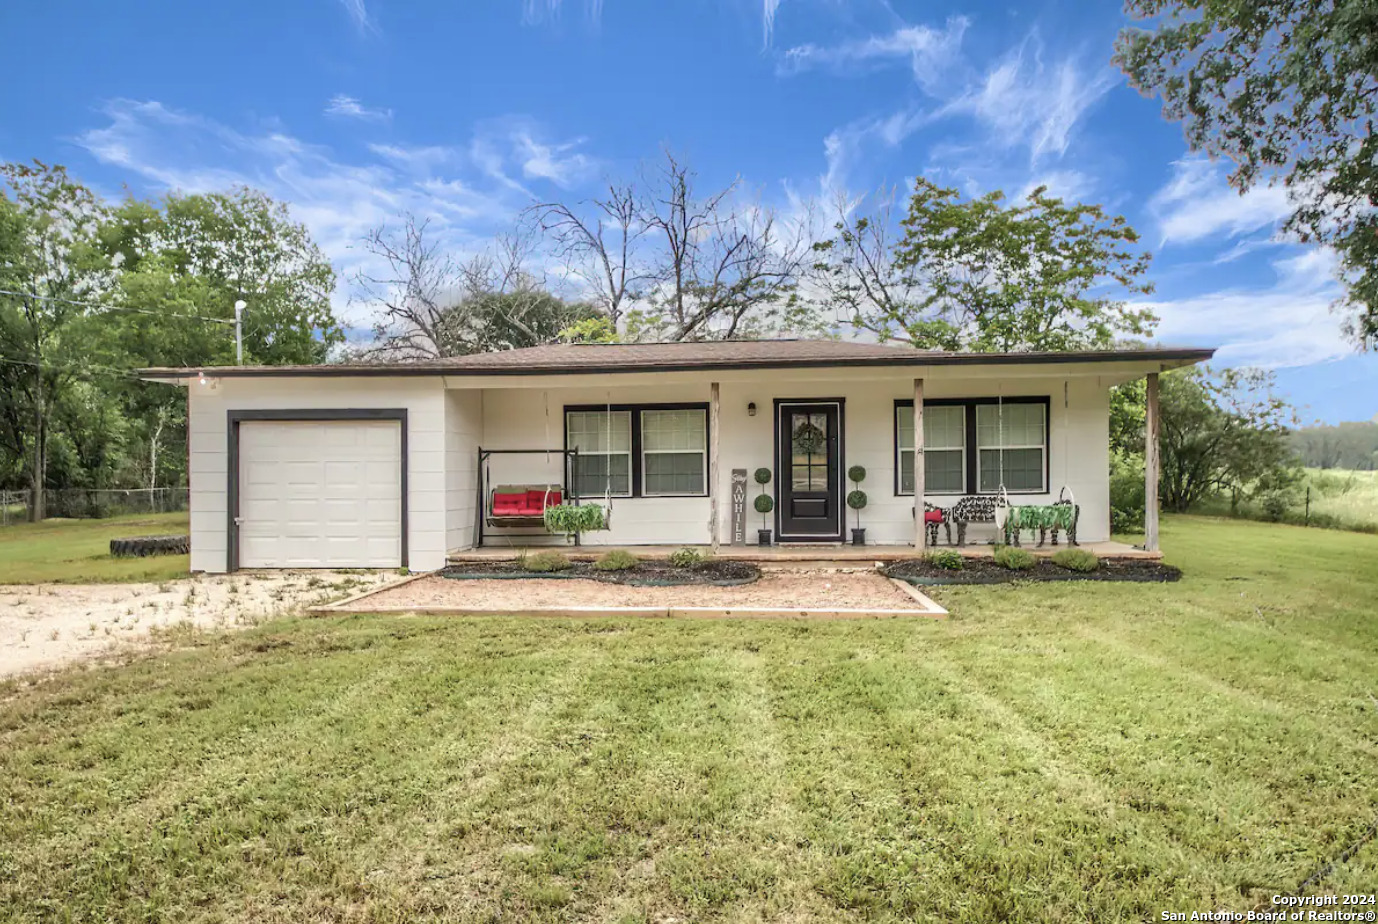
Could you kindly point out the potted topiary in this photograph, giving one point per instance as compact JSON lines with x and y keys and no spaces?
{"x":764,"y":505}
{"x":856,"y":499}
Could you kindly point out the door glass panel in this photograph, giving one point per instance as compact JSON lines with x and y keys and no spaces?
{"x":809,"y":452}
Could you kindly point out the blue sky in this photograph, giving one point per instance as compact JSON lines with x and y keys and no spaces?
{"x":356,"y":110}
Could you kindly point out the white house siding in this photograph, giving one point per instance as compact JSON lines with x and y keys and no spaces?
{"x":532,"y":416}
{"x":424,"y":399}
{"x":463,"y":430}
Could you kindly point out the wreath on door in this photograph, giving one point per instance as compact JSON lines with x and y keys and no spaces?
{"x":809,"y":438}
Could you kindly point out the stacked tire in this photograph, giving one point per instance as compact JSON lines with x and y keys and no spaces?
{"x":143,"y":546}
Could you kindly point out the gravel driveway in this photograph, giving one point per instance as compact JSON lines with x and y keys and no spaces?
{"x":47,"y":625}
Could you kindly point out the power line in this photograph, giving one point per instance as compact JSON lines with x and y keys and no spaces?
{"x":99,"y":307}
{"x":67,"y":367}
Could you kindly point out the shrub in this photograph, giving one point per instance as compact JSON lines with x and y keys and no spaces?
{"x":764,"y":503}
{"x":947,"y":559}
{"x":1275,"y":504}
{"x":1076,"y":560}
{"x":857,"y":473}
{"x":687,"y":558}
{"x":546,"y":562}
{"x":856,"y":499}
{"x":1014,"y":559}
{"x":762,"y":476}
{"x":617,"y":560}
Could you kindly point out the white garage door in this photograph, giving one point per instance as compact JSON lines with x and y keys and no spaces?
{"x":320,"y":494}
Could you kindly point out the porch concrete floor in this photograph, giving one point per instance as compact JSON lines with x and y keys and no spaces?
{"x":794,"y":553}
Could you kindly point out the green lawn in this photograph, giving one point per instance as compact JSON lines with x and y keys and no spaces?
{"x":78,"y":551}
{"x":1050,"y":753}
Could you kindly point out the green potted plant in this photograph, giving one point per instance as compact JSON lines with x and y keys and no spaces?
{"x":856,"y":499}
{"x":575,"y":519}
{"x":764,"y":505}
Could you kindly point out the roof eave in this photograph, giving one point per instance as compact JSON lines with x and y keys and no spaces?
{"x":1166,"y":359}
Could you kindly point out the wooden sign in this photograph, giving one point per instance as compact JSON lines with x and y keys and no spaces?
{"x":739,"y":506}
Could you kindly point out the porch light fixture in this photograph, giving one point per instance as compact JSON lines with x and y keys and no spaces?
{"x":751,"y":409}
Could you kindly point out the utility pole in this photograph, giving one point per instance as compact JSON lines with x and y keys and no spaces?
{"x":239,"y":333}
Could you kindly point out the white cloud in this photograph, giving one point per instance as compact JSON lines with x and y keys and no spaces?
{"x":350,"y":108}
{"x":931,"y":53}
{"x":358,"y":14}
{"x":768,"y":10}
{"x":1197,"y":202}
{"x":1024,"y":102}
{"x":537,"y":11}
{"x":1287,"y":324}
{"x":339,"y":200}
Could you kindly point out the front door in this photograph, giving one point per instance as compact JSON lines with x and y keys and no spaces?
{"x":809,"y":483}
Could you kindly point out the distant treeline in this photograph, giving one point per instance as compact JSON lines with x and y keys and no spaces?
{"x":1347,"y":445}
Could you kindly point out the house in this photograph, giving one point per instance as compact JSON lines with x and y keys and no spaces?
{"x":399,"y":465}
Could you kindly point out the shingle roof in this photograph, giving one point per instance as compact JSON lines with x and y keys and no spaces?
{"x":719,"y":354}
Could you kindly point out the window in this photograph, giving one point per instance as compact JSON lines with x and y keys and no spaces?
{"x":1011,"y":443}
{"x":604,"y":441}
{"x":674,"y":453}
{"x":975,"y":446}
{"x":643,"y":450}
{"x":944,"y":448}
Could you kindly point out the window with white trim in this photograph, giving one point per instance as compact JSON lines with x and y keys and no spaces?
{"x":1011,"y":447}
{"x":944,"y":448}
{"x":674,"y":452}
{"x":604,"y":441}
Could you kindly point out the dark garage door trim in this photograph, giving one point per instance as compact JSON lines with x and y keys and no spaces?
{"x":234,"y":418}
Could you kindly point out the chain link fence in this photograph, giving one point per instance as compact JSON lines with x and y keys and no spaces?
{"x":81,"y":503}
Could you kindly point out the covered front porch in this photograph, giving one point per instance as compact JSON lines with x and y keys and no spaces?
{"x":801,"y":553}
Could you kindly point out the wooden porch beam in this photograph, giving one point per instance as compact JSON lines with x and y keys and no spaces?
{"x":1151,"y":464}
{"x":920,"y":537}
{"x":714,"y":489}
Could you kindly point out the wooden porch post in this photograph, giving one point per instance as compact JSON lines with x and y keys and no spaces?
{"x":1151,"y":465}
{"x":715,"y":403}
{"x":920,"y":537}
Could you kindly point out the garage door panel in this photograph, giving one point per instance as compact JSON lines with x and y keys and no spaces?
{"x":320,"y":494}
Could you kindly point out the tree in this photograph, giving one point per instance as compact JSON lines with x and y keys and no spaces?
{"x":1219,"y":433}
{"x":432,"y":306}
{"x":599,"y":240}
{"x":1288,"y":88}
{"x":202,"y":253}
{"x":668,"y":262}
{"x":979,"y":275}
{"x":45,"y":328}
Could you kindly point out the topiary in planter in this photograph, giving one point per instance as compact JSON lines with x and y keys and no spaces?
{"x":1014,"y":559}
{"x":1076,"y":560}
{"x":764,"y":504}
{"x":857,"y":501}
{"x":857,"y":473}
{"x":762,"y":476}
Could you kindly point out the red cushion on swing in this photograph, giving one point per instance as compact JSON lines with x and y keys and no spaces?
{"x":933,"y":516}
{"x":537,"y":499}
{"x":509,"y":504}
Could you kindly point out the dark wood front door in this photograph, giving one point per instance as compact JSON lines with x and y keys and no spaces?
{"x":809,"y":466}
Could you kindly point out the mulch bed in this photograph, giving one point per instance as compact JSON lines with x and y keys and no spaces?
{"x":644,"y":574}
{"x":986,"y":571}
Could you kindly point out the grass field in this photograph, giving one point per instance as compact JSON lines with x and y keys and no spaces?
{"x":1050,"y":753}
{"x":1350,"y":498}
{"x":78,"y":551}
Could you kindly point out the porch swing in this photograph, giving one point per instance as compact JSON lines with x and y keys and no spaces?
{"x":511,"y":506}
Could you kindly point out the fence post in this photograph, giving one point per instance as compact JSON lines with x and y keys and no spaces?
{"x":1308,"y":505}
